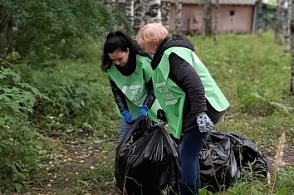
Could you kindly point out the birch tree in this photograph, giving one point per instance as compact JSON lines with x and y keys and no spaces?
{"x":165,"y":13}
{"x":178,"y":5}
{"x":153,"y":11}
{"x":216,"y":17}
{"x":138,"y":15}
{"x":292,"y":48}
{"x":110,"y":4}
{"x":129,"y":11}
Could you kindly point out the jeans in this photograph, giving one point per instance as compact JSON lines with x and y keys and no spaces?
{"x":191,"y":145}
{"x":189,"y":153}
{"x":124,"y":128}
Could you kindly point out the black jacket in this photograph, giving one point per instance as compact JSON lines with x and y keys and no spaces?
{"x":185,"y":76}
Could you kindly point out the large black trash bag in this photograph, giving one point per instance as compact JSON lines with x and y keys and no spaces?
{"x":146,"y":161}
{"x":218,"y":166}
{"x":225,"y":157}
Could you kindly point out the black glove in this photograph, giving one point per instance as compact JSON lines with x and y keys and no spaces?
{"x":161,"y":115}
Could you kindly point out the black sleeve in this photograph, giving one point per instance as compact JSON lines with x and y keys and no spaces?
{"x":118,"y":96}
{"x":149,"y":100}
{"x":185,"y":76}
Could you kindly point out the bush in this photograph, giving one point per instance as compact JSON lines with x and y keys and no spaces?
{"x":20,"y":144}
{"x":78,"y":99}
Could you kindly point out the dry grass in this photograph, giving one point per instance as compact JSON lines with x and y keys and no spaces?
{"x":277,"y":164}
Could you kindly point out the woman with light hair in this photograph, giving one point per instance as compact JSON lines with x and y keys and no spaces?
{"x":192,"y":101}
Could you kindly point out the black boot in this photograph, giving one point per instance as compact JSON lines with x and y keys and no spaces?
{"x":188,"y":189}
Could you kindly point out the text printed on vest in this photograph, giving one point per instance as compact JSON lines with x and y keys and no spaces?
{"x":166,"y":94}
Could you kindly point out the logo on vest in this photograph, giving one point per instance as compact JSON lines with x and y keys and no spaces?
{"x":166,"y":95}
{"x":137,"y":93}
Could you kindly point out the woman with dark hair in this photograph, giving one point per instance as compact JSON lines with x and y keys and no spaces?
{"x":129,"y":71}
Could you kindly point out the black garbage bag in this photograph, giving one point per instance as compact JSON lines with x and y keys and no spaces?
{"x":218,"y":166}
{"x":225,"y":157}
{"x":146,"y":161}
{"x":249,"y":158}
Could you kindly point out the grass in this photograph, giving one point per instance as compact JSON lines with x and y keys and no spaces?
{"x":253,"y":73}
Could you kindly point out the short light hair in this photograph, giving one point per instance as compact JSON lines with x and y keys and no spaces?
{"x":152,"y":33}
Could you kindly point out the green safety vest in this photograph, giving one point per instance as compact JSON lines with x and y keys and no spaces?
{"x":172,"y":98}
{"x":134,"y":86}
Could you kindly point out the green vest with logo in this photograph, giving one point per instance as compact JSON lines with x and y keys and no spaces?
{"x":172,"y":98}
{"x":134,"y":86}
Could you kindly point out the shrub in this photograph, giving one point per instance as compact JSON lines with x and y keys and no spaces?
{"x":20,"y":144}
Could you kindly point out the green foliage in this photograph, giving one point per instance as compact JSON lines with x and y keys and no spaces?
{"x":20,"y":144}
{"x":285,"y":182}
{"x":17,"y":98}
{"x":79,"y":99}
{"x":21,"y":151}
{"x":53,"y":29}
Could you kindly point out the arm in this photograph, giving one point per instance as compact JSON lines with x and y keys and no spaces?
{"x":118,"y":96}
{"x":147,"y":70}
{"x":150,"y":96}
{"x":185,"y":76}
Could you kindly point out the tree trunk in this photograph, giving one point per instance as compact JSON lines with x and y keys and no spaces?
{"x":129,"y":11}
{"x":110,"y":4}
{"x":165,"y":13}
{"x":178,"y":5}
{"x":259,"y":17}
{"x":279,"y":22}
{"x":138,"y":15}
{"x":216,"y":17}
{"x":207,"y":23}
{"x":292,"y":49}
{"x":287,"y":28}
{"x":153,"y":12}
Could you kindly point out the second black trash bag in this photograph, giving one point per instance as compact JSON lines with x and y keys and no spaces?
{"x":146,"y":161}
{"x":218,"y":166}
{"x":226,"y":157}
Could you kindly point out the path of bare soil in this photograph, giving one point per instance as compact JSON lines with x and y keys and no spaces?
{"x":65,"y":170}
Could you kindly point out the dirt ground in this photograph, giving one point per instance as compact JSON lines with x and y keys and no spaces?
{"x":287,"y":160}
{"x":77,"y":157}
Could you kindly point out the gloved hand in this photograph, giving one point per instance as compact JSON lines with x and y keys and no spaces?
{"x":128,"y":117}
{"x":204,"y":123}
{"x":143,"y":111}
